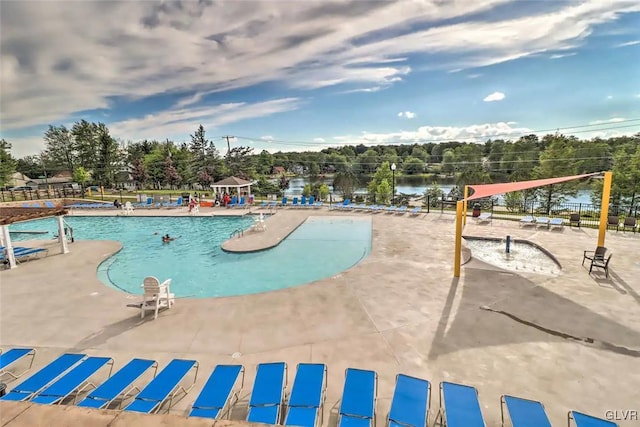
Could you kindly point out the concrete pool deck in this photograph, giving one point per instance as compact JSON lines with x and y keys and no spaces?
{"x":571,"y":341}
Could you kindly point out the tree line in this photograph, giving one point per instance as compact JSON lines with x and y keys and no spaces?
{"x":89,"y":151}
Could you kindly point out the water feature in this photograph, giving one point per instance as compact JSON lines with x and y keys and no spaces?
{"x":514,"y":255}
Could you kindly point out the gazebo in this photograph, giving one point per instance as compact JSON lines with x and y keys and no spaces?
{"x":233,"y":182}
{"x":10,"y":215}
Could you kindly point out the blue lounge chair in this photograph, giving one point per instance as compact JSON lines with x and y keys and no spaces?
{"x":119,"y":386}
{"x":459,"y":406}
{"x":263,"y":205}
{"x":528,"y":220}
{"x":304,"y":408}
{"x":401,"y":210}
{"x":73,"y":382}
{"x":483,"y":217}
{"x":163,"y":387}
{"x":311,"y":202}
{"x":176,"y":204}
{"x":542,"y":220}
{"x":43,"y":377}
{"x":410,"y":403}
{"x":556,"y":222}
{"x":303,"y":201}
{"x":584,"y":420}
{"x":219,"y":392}
{"x":234,"y":201}
{"x":390,"y":209}
{"x":358,"y":407}
{"x":523,"y":412}
{"x":12,"y":356}
{"x":295,"y":202}
{"x":49,"y":204}
{"x":415,"y":211}
{"x":273,"y":205}
{"x":268,"y":393}
{"x":241,"y":203}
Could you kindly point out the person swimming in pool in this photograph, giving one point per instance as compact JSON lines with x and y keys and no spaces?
{"x":166,"y":238}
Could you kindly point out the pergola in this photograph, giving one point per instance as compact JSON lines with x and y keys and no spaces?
{"x":10,"y":215}
{"x":232,"y":182}
{"x":486,"y":190}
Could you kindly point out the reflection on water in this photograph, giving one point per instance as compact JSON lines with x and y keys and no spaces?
{"x":523,"y":257}
{"x":411,"y":185}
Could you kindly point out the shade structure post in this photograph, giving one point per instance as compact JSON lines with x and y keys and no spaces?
{"x":8,"y":247}
{"x":604,"y":207}
{"x":62,"y":236}
{"x":466,"y":194}
{"x":458,"y":255}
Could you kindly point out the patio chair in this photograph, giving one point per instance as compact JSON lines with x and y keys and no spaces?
{"x":390,"y":209}
{"x":574,"y":218}
{"x":259,"y":224}
{"x":556,"y":222}
{"x":127,"y":208}
{"x":73,"y":382}
{"x":241,"y":203}
{"x":284,"y":201}
{"x":42,"y":378}
{"x":234,"y":201}
{"x":583,"y":420}
{"x":303,"y":201}
{"x":13,"y":356}
{"x":631,"y":223}
{"x":311,"y":202}
{"x":597,"y":254}
{"x":164,"y":387}
{"x":483,"y":217}
{"x":304,"y":408}
{"x":523,"y":412}
{"x":263,"y":204}
{"x":265,"y":403}
{"x":401,"y":210}
{"x":415,"y":211}
{"x":542,"y":220}
{"x":459,"y":406}
{"x":48,"y":204}
{"x":410,"y":403}
{"x":601,"y":263}
{"x":219,"y":392}
{"x":528,"y":220}
{"x":119,"y":385}
{"x":359,"y":396}
{"x":177,"y":203}
{"x":294,"y":204}
{"x":613,"y":221}
{"x":156,"y":296}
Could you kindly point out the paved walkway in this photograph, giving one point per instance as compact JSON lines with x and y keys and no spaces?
{"x":564,"y":340}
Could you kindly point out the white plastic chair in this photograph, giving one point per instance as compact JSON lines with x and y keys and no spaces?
{"x":259,"y":224}
{"x":156,"y":296}
{"x":127,"y":208}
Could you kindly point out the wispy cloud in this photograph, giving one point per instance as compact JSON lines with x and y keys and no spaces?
{"x":319,"y":140}
{"x":182,"y":121}
{"x":407,"y":114}
{"x":267,"y":138}
{"x":562,"y":55}
{"x":365,"y":89}
{"x":495,"y":96}
{"x":609,"y":96}
{"x":631,"y":43}
{"x":612,"y":120}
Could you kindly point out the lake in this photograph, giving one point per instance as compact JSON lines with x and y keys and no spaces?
{"x":402,"y":186}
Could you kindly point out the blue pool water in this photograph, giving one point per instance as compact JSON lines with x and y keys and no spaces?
{"x":320,"y":248}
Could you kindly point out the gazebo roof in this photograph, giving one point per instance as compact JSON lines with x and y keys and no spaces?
{"x":9,"y":215}
{"x":232,"y":181}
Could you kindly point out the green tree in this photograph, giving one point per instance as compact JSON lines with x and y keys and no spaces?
{"x":107,"y":158}
{"x":81,"y":176}
{"x":85,"y":144}
{"x":448,"y":159}
{"x":413,"y":166}
{"x":59,"y":147}
{"x":139,"y":173}
{"x":514,"y":201}
{"x":433,"y":195}
{"x":383,"y":192}
{"x":555,"y":161}
{"x":345,"y":183}
{"x":382,"y":173}
{"x":7,"y":163}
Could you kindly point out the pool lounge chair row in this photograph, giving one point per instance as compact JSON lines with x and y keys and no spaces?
{"x":541,"y":220}
{"x":70,"y":374}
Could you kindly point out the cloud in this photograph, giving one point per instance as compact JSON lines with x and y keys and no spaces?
{"x":495,"y":96}
{"x":407,"y":114}
{"x":562,"y":55}
{"x":267,"y":138}
{"x":142,"y":49}
{"x":365,"y":89}
{"x":179,"y":122}
{"x":319,"y":140}
{"x":609,"y":96}
{"x":612,"y":120}
{"x":474,"y":76}
{"x":631,"y":43}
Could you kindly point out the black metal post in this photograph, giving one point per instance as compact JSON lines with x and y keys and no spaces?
{"x":393,"y":186}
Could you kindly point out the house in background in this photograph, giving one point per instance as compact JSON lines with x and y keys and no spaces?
{"x":18,"y":180}
{"x":278,"y":170}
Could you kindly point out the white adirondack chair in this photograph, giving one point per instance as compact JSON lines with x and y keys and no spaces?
{"x":127,"y":208}
{"x":156,"y":296}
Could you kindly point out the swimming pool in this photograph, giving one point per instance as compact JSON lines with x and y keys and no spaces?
{"x":321,"y":247}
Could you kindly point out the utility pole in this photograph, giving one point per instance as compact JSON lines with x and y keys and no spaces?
{"x":228,"y":137}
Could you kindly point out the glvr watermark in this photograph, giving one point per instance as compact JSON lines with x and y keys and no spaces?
{"x":622,"y":415}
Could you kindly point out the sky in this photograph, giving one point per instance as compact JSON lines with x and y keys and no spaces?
{"x":304,"y":75}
